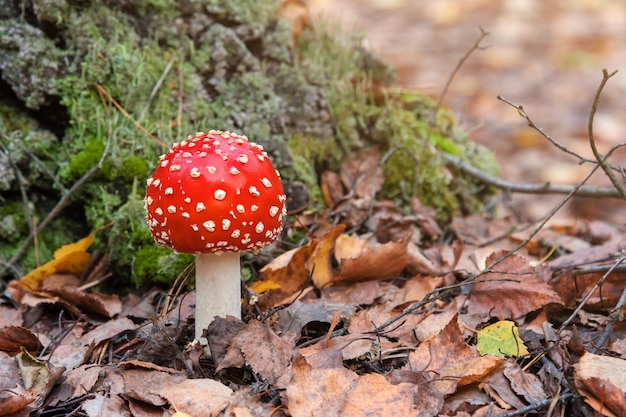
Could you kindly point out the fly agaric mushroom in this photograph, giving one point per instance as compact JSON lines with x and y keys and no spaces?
{"x":214,"y":195}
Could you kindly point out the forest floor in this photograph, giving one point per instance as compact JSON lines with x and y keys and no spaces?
{"x":379,"y":311}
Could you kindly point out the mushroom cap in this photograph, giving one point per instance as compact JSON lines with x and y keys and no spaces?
{"x":215,"y":192}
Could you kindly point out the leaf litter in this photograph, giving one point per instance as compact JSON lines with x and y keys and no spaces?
{"x":379,"y":312}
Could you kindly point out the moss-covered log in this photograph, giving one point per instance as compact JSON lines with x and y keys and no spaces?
{"x":83,"y":78}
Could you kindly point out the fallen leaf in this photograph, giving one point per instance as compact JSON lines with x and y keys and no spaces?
{"x":602,"y":382}
{"x":511,"y":290}
{"x":450,"y":360}
{"x":378,"y":261}
{"x":296,"y":12}
{"x":198,"y":397}
{"x":318,"y":392}
{"x":501,"y":339}
{"x":376,"y":397}
{"x":319,"y":265}
{"x":524,"y":383}
{"x":15,"y":338}
{"x":261,"y":349}
{"x":71,"y":259}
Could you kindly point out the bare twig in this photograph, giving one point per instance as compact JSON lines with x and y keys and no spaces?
{"x":156,"y":88}
{"x":614,"y":316}
{"x":599,"y":157}
{"x":592,"y":291}
{"x":459,"y":65}
{"x":535,"y":406}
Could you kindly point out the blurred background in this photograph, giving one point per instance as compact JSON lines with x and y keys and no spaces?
{"x":546,"y":56}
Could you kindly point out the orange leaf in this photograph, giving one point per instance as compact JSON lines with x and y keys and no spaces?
{"x":319,"y":265}
{"x":71,"y":258}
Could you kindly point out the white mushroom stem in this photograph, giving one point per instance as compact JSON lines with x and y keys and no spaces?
{"x":218,"y":288}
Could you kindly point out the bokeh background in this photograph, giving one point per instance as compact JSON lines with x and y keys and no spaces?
{"x":545,"y":55}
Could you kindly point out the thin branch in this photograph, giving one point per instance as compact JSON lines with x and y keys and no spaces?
{"x":599,"y":157}
{"x":515,"y":187}
{"x":592,"y":291}
{"x":156,"y":88}
{"x":614,"y":316}
{"x":459,"y":65}
{"x":535,"y":406}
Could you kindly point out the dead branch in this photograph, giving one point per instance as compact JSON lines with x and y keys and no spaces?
{"x":524,"y":188}
{"x":599,"y":157}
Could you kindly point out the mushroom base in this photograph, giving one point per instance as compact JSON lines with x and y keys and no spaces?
{"x":218,"y":288}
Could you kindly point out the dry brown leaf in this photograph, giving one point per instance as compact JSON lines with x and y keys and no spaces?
{"x":198,"y":397}
{"x":602,"y":381}
{"x":361,"y":174}
{"x":261,"y":349}
{"x":374,"y":396}
{"x":318,"y":392}
{"x":288,"y":271}
{"x":450,"y":361}
{"x":145,"y":384}
{"x":523,"y":383}
{"x":512,"y":290}
{"x":379,"y":261}
{"x":296,"y":12}
{"x":66,"y":287}
{"x":106,"y":405}
{"x":332,"y":190}
{"x":14,"y":338}
{"x":319,"y":264}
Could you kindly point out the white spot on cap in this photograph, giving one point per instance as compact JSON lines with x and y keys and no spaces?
{"x":236,"y":233}
{"x":164,"y":163}
{"x":209,"y":225}
{"x":200,"y":206}
{"x":164,"y":235}
{"x":187,"y":199}
{"x":149,"y":200}
{"x":254,"y":208}
{"x":225,"y":224}
{"x":273,"y":211}
{"x":194,"y":227}
{"x":186,"y":215}
{"x":149,"y":181}
{"x":246,"y":239}
{"x":240,"y":208}
{"x":171,"y":209}
{"x":195,"y":172}
{"x":219,"y":194}
{"x":234,"y":171}
{"x":211,"y":169}
{"x":259,"y":227}
{"x":243,"y":158}
{"x":186,"y":154}
{"x":169,"y":191}
{"x":254,"y":191}
{"x":159,"y":211}
{"x":156,"y":182}
{"x":261,"y":157}
{"x":174,"y":168}
{"x":267,"y":183}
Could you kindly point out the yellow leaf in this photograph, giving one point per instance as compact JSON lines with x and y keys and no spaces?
{"x":260,"y":287}
{"x":501,"y":339}
{"x":71,"y":258}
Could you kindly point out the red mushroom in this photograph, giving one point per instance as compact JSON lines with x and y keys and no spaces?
{"x":215,"y":194}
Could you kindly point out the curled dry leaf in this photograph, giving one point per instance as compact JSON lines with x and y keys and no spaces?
{"x":15,"y":338}
{"x":369,"y":262}
{"x":602,"y":381}
{"x":296,"y":12}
